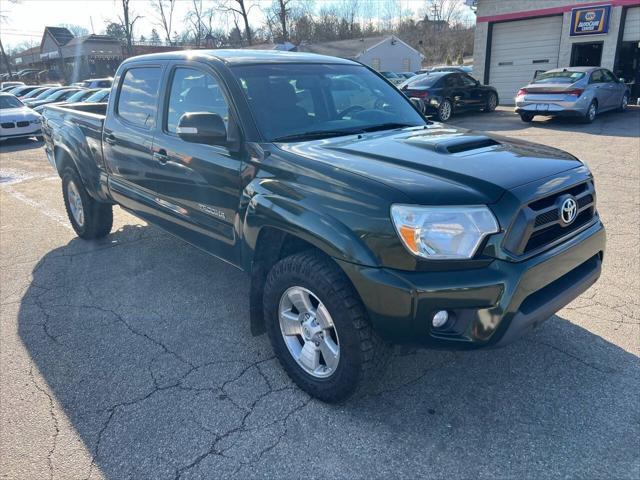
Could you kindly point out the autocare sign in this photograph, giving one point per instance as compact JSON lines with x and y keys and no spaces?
{"x":590,"y":20}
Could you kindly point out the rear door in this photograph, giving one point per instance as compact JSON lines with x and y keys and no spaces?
{"x":127,"y":137}
{"x":197,"y":185}
{"x":600,"y":89}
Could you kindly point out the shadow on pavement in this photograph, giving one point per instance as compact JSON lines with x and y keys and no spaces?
{"x":145,"y":343}
{"x":17,"y":144}
{"x":611,"y":124}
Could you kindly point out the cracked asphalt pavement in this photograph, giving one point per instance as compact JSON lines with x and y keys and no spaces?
{"x":131,"y":357}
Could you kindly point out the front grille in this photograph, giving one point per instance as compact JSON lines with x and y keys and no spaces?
{"x":23,"y":124}
{"x":8,"y":125}
{"x":538,"y":224}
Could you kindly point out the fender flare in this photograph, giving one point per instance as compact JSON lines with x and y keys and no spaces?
{"x":318,"y":229}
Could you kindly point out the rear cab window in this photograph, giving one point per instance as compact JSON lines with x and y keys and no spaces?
{"x":137,"y":99}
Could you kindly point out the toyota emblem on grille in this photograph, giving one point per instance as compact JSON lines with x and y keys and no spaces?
{"x":568,"y":211}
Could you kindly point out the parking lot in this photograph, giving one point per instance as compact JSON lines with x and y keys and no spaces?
{"x":131,"y":357}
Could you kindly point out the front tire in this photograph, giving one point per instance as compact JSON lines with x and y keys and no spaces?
{"x":89,"y":218}
{"x":445,"y":110}
{"x":318,"y":327}
{"x":624,"y":103}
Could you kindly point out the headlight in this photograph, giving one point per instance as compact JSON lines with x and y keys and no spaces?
{"x":443,"y":232}
{"x":35,"y":120}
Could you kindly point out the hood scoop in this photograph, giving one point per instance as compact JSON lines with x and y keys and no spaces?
{"x":451,"y":144}
{"x":465,"y":144}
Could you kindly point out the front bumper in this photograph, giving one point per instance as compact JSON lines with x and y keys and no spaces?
{"x":490,"y":306}
{"x":24,"y":132}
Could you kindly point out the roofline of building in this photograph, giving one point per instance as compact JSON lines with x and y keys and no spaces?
{"x":546,"y":12}
{"x":394,"y":38}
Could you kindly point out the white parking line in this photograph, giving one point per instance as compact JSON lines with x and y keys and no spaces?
{"x":14,"y":177}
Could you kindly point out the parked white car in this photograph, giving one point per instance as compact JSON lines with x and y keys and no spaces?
{"x":17,"y":120}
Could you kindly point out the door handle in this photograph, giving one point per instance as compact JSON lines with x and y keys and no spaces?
{"x":110,"y":139}
{"x":161,"y":156}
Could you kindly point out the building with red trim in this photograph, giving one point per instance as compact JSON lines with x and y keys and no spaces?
{"x":515,"y":39}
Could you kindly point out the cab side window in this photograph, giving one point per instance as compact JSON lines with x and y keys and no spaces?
{"x":596,"y":77}
{"x":194,"y":91}
{"x":467,"y":81}
{"x":137,"y":101}
{"x":607,"y":76}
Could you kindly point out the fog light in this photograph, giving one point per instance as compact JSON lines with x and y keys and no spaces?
{"x":440,"y":318}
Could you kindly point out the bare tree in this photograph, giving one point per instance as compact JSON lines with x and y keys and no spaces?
{"x":195,"y":18}
{"x":239,"y":8}
{"x":3,"y":19}
{"x":164,"y":10}
{"x":128,"y":20}
{"x":77,"y":30}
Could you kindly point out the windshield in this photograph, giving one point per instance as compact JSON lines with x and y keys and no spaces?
{"x":98,"y":96}
{"x":565,"y":76}
{"x":62,"y":94}
{"x":34,"y":93}
{"x":46,"y":93}
{"x":79,"y":95}
{"x":289,"y":100}
{"x":7,"y":101}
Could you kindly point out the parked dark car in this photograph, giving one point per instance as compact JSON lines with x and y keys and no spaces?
{"x":99,"y":96}
{"x":44,"y":94}
{"x":34,"y":93}
{"x":79,"y":96}
{"x":23,"y":90}
{"x":445,"y":93}
{"x":359,"y":225}
{"x":58,"y":96}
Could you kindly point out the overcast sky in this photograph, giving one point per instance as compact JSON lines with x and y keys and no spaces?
{"x":25,"y":20}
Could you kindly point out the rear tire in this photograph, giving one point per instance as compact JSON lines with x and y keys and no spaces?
{"x":592,"y":111}
{"x":527,"y":117}
{"x":492,"y":103}
{"x":89,"y":218}
{"x":360,"y":355}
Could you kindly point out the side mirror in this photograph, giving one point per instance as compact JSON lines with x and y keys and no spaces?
{"x":202,"y":127}
{"x":417,"y":102}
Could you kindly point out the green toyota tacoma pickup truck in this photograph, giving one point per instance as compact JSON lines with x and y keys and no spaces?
{"x":360,"y":222}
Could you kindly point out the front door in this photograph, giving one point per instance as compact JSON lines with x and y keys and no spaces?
{"x":198,"y":185}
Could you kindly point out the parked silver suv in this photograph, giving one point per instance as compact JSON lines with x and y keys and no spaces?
{"x":580,"y":92}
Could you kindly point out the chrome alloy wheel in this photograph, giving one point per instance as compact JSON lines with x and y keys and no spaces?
{"x":493,"y":102}
{"x":75,"y":203}
{"x":445,"y":111}
{"x":308,"y":331}
{"x":592,"y":111}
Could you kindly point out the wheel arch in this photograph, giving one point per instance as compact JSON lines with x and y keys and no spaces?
{"x":275,"y":228}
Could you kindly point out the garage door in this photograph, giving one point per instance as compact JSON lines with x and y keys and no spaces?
{"x":520,"y":48}
{"x":632,"y":25}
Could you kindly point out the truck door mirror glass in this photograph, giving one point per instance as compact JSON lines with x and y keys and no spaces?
{"x":202,"y":127}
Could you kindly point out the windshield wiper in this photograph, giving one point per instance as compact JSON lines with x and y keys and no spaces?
{"x":387,"y":126}
{"x":315,"y":134}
